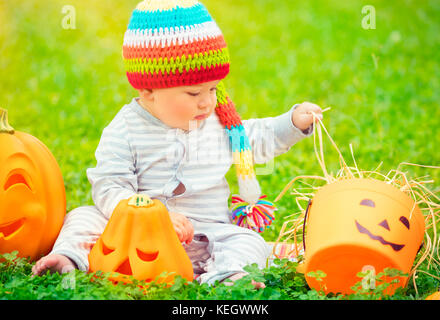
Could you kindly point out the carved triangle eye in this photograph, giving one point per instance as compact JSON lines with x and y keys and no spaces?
{"x":368,"y":203}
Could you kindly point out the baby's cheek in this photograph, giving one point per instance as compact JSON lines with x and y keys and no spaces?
{"x":184,"y":113}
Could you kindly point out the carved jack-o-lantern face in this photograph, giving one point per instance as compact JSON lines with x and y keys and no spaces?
{"x":360,"y":223}
{"x":125,"y":267}
{"x":140,"y":241}
{"x":32,"y":194}
{"x":385,"y":225}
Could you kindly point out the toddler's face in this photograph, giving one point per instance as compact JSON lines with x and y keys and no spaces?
{"x":179,"y":107}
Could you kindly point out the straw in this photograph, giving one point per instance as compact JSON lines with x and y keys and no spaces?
{"x":427,"y":199}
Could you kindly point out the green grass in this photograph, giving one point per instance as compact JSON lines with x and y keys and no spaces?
{"x":282,"y":282}
{"x":65,"y":86}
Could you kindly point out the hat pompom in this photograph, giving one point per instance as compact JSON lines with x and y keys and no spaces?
{"x":256,"y":216}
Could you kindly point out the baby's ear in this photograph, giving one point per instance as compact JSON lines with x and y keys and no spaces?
{"x":145,"y":93}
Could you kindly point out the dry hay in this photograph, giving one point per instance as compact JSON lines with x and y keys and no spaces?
{"x":416,"y":188}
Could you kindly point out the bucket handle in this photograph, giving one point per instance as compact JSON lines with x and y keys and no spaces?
{"x":304,"y":224}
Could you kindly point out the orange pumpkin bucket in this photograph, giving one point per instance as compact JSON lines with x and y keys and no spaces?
{"x":140,"y":241}
{"x":433,"y":296}
{"x":355,"y":225}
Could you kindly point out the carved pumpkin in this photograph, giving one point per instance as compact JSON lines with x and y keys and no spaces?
{"x":140,"y":241}
{"x":32,"y":194}
{"x":359,"y":224}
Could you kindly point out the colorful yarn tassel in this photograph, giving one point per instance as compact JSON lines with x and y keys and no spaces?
{"x":255,"y":217}
{"x":247,"y":209}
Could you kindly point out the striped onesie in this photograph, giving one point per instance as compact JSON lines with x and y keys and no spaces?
{"x":138,"y":153}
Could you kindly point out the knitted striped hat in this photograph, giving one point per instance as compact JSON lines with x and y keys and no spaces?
{"x":173,"y":43}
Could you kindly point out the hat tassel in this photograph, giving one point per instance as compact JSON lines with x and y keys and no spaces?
{"x":255,"y":216}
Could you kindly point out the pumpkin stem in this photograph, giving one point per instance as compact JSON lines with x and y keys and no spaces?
{"x":140,"y":200}
{"x":4,"y":125}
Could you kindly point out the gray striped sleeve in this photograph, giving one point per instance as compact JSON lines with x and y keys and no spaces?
{"x":273,"y":136}
{"x":113,"y":179}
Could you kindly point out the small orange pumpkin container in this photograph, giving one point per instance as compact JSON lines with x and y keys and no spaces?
{"x":140,"y":241}
{"x":355,"y":225}
{"x":32,"y":194}
{"x":433,"y":296}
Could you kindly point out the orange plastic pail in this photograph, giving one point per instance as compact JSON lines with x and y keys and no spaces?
{"x":356,"y":225}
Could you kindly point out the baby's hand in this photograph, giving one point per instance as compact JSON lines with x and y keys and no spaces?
{"x":183,"y":227}
{"x":302,"y":117}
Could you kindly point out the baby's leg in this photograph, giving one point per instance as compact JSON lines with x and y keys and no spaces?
{"x":81,"y":229}
{"x":232,"y":247}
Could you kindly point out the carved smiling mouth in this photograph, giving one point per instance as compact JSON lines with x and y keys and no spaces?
{"x":125,"y":267}
{"x":7,"y":229}
{"x":396,"y":247}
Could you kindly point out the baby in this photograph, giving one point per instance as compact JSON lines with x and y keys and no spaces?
{"x":173,"y":143}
